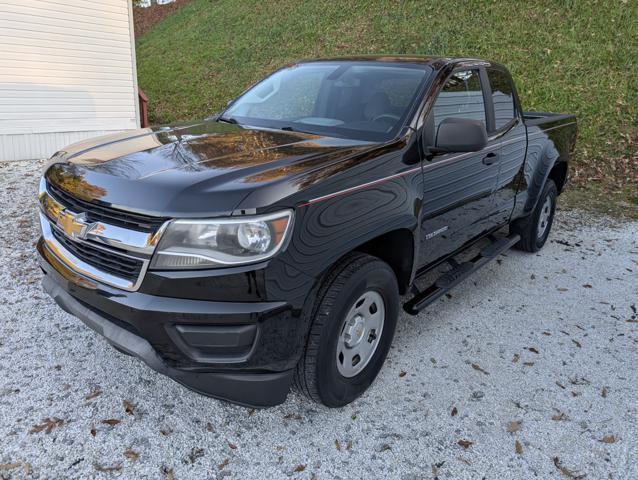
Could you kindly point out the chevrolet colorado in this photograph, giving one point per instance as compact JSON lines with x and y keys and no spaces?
{"x":269,"y":245}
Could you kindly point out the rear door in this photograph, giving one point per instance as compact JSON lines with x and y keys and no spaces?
{"x":458,"y":202}
{"x":508,"y":128}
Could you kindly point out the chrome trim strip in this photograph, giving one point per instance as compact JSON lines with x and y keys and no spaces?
{"x":80,"y":267}
{"x":435,"y":164}
{"x":359,"y":187}
{"x":103,"y":233}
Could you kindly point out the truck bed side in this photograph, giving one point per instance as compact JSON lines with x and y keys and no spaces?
{"x":551,"y":138}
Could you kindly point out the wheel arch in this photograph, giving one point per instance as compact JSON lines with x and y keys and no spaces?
{"x":397,"y":249}
{"x":548,"y":162}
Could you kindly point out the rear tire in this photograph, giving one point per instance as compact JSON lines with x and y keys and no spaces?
{"x":534,"y":229}
{"x":354,"y":319}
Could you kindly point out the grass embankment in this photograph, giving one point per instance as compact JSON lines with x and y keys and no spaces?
{"x":577,"y":56}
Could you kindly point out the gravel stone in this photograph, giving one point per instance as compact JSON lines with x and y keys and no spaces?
{"x":575,"y":399}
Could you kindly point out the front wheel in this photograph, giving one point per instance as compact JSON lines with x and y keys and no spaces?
{"x":535,"y":228}
{"x":355,"y":316}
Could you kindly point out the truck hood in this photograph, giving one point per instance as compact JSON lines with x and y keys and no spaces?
{"x":193,"y":170}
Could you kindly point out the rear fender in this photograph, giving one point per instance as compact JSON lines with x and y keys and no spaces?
{"x":547,"y":160}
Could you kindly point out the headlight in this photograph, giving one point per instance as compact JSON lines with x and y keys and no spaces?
{"x":221,"y":242}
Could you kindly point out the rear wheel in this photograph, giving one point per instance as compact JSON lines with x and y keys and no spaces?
{"x":535,"y":228}
{"x":354,"y":321}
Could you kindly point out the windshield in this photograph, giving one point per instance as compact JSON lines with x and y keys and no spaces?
{"x":360,"y":100}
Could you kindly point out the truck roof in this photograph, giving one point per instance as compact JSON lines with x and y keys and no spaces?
{"x":436,"y":62}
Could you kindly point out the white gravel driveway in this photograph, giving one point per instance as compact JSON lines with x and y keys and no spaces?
{"x":528,"y":370}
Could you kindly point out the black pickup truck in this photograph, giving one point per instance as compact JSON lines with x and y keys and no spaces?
{"x":269,"y":244}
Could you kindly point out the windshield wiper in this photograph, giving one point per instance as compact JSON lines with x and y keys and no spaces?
{"x":230,"y":120}
{"x":288,"y":128}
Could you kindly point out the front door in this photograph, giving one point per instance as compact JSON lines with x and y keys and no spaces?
{"x":458,"y":202}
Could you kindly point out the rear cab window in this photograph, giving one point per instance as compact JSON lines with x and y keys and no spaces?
{"x":502,"y":98}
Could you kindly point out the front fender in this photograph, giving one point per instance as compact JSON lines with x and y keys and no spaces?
{"x":327,"y":230}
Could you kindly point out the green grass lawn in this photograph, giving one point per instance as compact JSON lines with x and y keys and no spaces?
{"x":578,"y":56}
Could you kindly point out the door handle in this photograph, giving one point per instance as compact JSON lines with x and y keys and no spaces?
{"x":490,"y":158}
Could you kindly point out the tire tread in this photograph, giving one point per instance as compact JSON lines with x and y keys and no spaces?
{"x":305,"y":376}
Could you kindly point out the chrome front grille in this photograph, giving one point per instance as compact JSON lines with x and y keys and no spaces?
{"x":127,"y":267}
{"x":87,"y":245}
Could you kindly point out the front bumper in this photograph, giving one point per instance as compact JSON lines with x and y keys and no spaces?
{"x":240,"y":351}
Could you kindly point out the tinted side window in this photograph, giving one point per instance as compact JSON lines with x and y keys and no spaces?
{"x":502,"y":96}
{"x":461,"y":97}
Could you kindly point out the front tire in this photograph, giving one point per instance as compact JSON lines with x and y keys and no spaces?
{"x":535,"y":228}
{"x":353,"y":324}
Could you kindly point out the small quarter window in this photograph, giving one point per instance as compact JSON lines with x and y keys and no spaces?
{"x":502,"y":97}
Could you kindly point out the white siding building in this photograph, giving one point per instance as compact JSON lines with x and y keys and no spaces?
{"x":67,"y":72}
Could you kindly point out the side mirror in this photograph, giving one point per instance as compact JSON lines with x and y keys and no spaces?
{"x":460,"y":135}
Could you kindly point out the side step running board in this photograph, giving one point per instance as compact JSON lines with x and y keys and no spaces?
{"x":458,"y":273}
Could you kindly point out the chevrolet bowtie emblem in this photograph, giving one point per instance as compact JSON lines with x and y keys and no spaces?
{"x":73,"y":225}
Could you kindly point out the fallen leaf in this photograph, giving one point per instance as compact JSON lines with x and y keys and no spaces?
{"x":513,"y":427}
{"x":454,"y":412}
{"x":562,"y":289}
{"x":93,"y":431}
{"x":9,"y":466}
{"x":478,"y":368}
{"x":533,"y":350}
{"x":579,"y":381}
{"x":402,"y":374}
{"x":232,"y":446}
{"x":547,"y":334}
{"x":251,"y":412}
{"x":349,"y":445}
{"x":528,"y":364}
{"x":48,"y":424}
{"x":224,"y":464}
{"x":385,"y":447}
{"x":300,"y":468}
{"x":516,"y":358}
{"x":195,"y":454}
{"x":518,"y":447}
{"x":209,"y":427}
{"x":465,"y":443}
{"x":565,"y":471}
{"x":587,"y":285}
{"x":338,"y":445}
{"x":113,"y":468}
{"x":604,"y":392}
{"x":111,"y":422}
{"x":128,"y":407}
{"x":131,"y":454}
{"x":608,"y":439}
{"x":559,"y":417}
{"x":94,"y":394}
{"x":168,"y":472}
{"x":577,"y":343}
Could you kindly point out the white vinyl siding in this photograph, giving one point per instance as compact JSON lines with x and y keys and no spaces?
{"x":67,"y":72}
